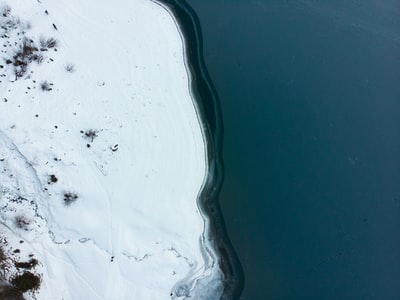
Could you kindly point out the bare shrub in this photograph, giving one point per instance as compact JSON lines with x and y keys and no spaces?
{"x":48,"y":43}
{"x":70,"y":198}
{"x":22,"y":222}
{"x":90,"y":134}
{"x":45,"y":86}
{"x":9,"y":23}
{"x":5,"y":11}
{"x":70,"y":68}
{"x":33,"y":262}
{"x":39,"y":58}
{"x":26,"y":54}
{"x":53,"y":178}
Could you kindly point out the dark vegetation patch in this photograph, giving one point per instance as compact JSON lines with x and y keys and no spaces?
{"x":22,"y":222}
{"x":2,"y":254}
{"x":25,"y":54}
{"x":48,"y":43}
{"x":26,"y":281}
{"x":53,"y":178}
{"x":28,"y":264}
{"x":10,"y":293}
{"x":22,"y":52}
{"x":46,"y":86}
{"x":16,"y":277}
{"x":3,"y":258}
{"x":70,"y":198}
{"x":90,"y":134}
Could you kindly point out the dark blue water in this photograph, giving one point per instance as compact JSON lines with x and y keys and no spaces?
{"x":310,"y":98}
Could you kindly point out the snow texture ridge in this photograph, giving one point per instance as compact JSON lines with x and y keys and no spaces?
{"x":102,"y":154}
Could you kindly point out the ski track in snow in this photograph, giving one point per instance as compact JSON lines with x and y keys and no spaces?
{"x":134,"y":230}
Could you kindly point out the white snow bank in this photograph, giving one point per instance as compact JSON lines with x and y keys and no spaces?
{"x":120,"y":132}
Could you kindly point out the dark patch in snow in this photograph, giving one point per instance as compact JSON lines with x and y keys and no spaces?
{"x":70,"y":198}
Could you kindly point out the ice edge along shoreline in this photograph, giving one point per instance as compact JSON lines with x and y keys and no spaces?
{"x":208,"y":252}
{"x":215,"y":243}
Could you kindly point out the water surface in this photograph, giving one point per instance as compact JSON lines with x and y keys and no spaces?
{"x":310,"y":97}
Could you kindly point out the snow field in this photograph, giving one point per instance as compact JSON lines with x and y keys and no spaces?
{"x":120,"y":133}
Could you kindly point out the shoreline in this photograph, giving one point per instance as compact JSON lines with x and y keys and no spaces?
{"x":207,"y":107}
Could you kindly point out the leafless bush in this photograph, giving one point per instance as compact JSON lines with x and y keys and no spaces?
{"x":7,"y":21}
{"x":22,"y":222}
{"x":26,"y":54}
{"x":70,"y":68}
{"x":53,"y":178}
{"x":5,"y":11}
{"x":48,"y":43}
{"x":70,"y":198}
{"x":90,"y":134}
{"x":33,"y":262}
{"x":45,"y":86}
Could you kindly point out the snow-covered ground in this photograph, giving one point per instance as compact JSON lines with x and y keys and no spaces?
{"x":102,"y":155}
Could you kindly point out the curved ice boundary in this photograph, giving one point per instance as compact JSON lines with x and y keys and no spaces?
{"x":226,"y":279}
